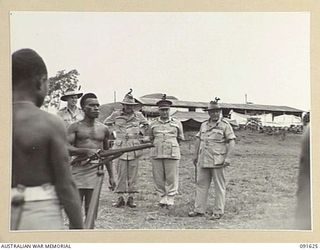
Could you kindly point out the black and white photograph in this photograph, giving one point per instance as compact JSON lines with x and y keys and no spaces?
{"x":160,"y":120}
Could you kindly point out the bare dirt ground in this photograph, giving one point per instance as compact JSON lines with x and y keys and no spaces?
{"x":261,"y":187}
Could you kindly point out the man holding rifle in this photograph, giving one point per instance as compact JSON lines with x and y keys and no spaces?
{"x":87,"y":138}
{"x":213,"y":147}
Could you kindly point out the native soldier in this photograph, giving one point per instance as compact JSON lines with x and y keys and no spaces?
{"x":87,"y":137}
{"x":214,"y":145}
{"x":128,"y":125}
{"x":166,"y":133}
{"x":40,"y":162}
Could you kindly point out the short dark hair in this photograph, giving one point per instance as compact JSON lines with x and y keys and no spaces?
{"x":26,"y":64}
{"x":85,"y":97}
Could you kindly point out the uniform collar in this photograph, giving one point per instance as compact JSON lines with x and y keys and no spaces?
{"x":73,"y":112}
{"x":169,"y":120}
{"x":123,"y":113}
{"x":210,"y":124}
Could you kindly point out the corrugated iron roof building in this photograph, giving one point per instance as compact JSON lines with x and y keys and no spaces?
{"x":191,"y":114}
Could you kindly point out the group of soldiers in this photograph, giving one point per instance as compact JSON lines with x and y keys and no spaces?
{"x":45,"y":144}
{"x":47,"y":175}
{"x":130,"y":128}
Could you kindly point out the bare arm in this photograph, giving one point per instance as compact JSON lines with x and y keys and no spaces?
{"x":64,"y":184}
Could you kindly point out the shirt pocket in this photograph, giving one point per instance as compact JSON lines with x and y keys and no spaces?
{"x":214,"y":153}
{"x":120,"y":121}
{"x":216,"y":135}
{"x":175,"y":153}
{"x":167,"y":149}
{"x":219,"y":151}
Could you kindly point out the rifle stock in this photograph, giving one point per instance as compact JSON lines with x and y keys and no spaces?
{"x":114,"y":153}
{"x":108,"y":156}
{"x":94,"y":203}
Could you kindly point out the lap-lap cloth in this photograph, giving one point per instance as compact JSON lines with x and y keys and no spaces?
{"x":85,"y":176}
{"x":41,"y":210}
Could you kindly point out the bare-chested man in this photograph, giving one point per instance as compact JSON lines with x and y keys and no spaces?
{"x":87,"y":137}
{"x":40,"y":160}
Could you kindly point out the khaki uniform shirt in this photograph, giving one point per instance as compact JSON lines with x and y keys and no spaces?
{"x":165,"y":135}
{"x":213,"y":143}
{"x":127,"y":129}
{"x":70,"y":117}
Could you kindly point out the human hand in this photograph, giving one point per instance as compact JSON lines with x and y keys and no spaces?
{"x":112,"y":183}
{"x":89,"y":152}
{"x":145,"y":139}
{"x":226,"y":163}
{"x":195,"y":161}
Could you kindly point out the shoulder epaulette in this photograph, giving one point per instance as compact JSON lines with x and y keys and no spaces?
{"x":64,"y":108}
{"x":225,"y":121}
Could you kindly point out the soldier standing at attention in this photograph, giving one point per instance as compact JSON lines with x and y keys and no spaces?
{"x":166,"y":133}
{"x":71,"y":113}
{"x":40,"y":162}
{"x":213,"y":147}
{"x":87,"y":137}
{"x":127,"y":125}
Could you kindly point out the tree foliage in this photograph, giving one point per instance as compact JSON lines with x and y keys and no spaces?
{"x":58,"y":85}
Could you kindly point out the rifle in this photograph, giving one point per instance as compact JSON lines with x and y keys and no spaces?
{"x":93,"y":207}
{"x":109,"y":156}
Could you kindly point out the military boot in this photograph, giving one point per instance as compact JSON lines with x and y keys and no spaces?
{"x":130,"y":202}
{"x":119,"y":203}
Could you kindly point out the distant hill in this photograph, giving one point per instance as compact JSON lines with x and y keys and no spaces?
{"x":159,"y":96}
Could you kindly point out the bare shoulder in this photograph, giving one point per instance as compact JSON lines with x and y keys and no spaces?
{"x":101,"y":126}
{"x":74,"y":126}
{"x":54,"y":122}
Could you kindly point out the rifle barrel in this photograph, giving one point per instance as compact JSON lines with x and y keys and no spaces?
{"x":114,"y":152}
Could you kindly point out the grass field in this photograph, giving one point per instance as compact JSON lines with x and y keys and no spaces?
{"x":261,"y":187}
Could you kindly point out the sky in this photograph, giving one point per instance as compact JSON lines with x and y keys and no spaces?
{"x":194,"y":56}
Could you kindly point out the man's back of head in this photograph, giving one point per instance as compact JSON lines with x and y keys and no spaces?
{"x":29,"y":77}
{"x":26,"y":64}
